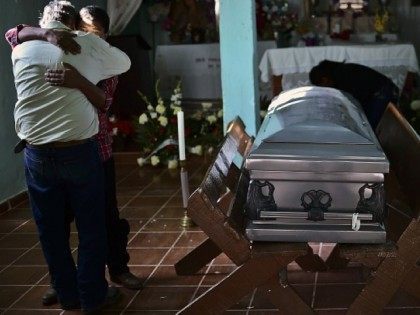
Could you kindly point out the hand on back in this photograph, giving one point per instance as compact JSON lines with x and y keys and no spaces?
{"x":63,"y":39}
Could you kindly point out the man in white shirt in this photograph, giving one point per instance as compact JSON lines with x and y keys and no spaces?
{"x":62,"y":161}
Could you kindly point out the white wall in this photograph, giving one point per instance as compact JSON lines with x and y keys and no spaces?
{"x":408,"y":20}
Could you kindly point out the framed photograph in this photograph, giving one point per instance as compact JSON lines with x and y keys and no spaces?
{"x":415,"y":3}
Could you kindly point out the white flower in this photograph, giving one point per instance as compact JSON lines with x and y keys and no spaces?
{"x":198,"y":149}
{"x":172,"y":164}
{"x":220,"y":113}
{"x":153,"y":115}
{"x":178,"y":95}
{"x":114,"y":131}
{"x":112,"y":119}
{"x":150,"y":108}
{"x":274,"y":8}
{"x":211,"y":119}
{"x":263,"y":113}
{"x":154,"y":160}
{"x":177,"y":109}
{"x":174,"y":98}
{"x":163,"y":120}
{"x":160,"y":108}
{"x":143,"y":119}
{"x":141,"y":162}
{"x":265,"y":8}
{"x":177,"y":103}
{"x":206,"y":105}
{"x":415,"y":105}
{"x":210,"y":150}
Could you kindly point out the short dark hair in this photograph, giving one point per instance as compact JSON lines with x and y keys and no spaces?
{"x":325,"y":68}
{"x":92,"y":13}
{"x":58,"y":10}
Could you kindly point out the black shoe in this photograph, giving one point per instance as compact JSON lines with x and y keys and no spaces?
{"x":112,"y":297}
{"x":50,"y":297}
{"x":127,"y":280}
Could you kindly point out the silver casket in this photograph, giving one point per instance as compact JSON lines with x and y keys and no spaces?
{"x":316,"y":172}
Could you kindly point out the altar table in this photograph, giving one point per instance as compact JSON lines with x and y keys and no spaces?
{"x":294,"y":64}
{"x":198,"y":66}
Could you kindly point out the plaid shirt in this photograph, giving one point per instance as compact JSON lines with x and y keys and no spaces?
{"x":108,"y":86}
{"x":104,"y":137}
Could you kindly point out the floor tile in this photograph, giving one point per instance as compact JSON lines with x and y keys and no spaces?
{"x":33,"y":299}
{"x":162,"y":298}
{"x":175,"y":255}
{"x":32,"y":257}
{"x":216,"y":274}
{"x":28,"y":227}
{"x":148,"y":201}
{"x":154,"y":239}
{"x":171,"y":212}
{"x":17,"y":214}
{"x":336,"y":296}
{"x":136,"y":224}
{"x":8,"y":226}
{"x":347,"y":275}
{"x":191,"y":239}
{"x":9,"y":294}
{"x":166,"y":276}
{"x":149,"y":256}
{"x":138,"y":212}
{"x":169,"y":225}
{"x":22,"y":275}
{"x":19,"y":241}
{"x":35,"y":312}
{"x":7,"y":256}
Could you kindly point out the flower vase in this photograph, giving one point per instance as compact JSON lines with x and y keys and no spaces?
{"x":282,"y":39}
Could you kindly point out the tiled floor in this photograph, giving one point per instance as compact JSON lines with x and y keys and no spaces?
{"x":151,"y":201}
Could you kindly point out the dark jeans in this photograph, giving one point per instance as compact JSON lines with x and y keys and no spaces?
{"x":57,"y":178}
{"x":380,"y":100}
{"x":117,"y":228}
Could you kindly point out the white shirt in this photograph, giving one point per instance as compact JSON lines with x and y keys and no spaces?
{"x":45,"y":113}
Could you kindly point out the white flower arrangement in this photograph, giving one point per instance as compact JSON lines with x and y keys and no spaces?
{"x":153,"y":115}
{"x":206,"y":105}
{"x":163,"y":121}
{"x":154,"y":160}
{"x":415,"y":105}
{"x":141,"y":161}
{"x":143,"y":119}
{"x":172,"y":164}
{"x":220,"y":113}
{"x":160,"y":108}
{"x":198,"y":150}
{"x":211,"y":119}
{"x":114,"y":131}
{"x":112,"y":119}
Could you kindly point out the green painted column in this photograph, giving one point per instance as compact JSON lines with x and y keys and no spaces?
{"x":238,"y":53}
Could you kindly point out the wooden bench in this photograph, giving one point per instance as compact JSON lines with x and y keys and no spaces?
{"x":397,"y":265}
{"x":264,"y":264}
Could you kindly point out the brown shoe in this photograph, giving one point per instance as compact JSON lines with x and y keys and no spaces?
{"x":50,"y":297}
{"x":127,"y":280}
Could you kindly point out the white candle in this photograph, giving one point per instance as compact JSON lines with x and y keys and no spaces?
{"x":181,"y":135}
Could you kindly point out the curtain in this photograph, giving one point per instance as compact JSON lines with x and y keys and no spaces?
{"x":120,"y":13}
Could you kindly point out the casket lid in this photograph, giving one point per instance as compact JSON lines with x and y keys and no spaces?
{"x":316,"y":130}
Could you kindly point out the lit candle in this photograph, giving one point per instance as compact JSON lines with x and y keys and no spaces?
{"x":181,"y":135}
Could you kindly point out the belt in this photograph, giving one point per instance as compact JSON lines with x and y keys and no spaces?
{"x":58,"y":144}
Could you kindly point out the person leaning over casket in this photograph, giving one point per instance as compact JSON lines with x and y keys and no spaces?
{"x":372,"y":89}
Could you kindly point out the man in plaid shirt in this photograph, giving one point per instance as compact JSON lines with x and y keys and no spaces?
{"x":94,"y":20}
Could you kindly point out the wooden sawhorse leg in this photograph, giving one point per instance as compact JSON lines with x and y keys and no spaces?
{"x":197,"y":258}
{"x":257,"y":271}
{"x":390,"y":274}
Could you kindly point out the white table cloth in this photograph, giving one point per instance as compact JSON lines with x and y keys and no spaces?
{"x":295,"y":64}
{"x":198,"y":66}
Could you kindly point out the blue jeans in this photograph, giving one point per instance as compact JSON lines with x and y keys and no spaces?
{"x":57,"y":178}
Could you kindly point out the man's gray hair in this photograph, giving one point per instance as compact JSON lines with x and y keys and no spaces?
{"x":58,"y":10}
